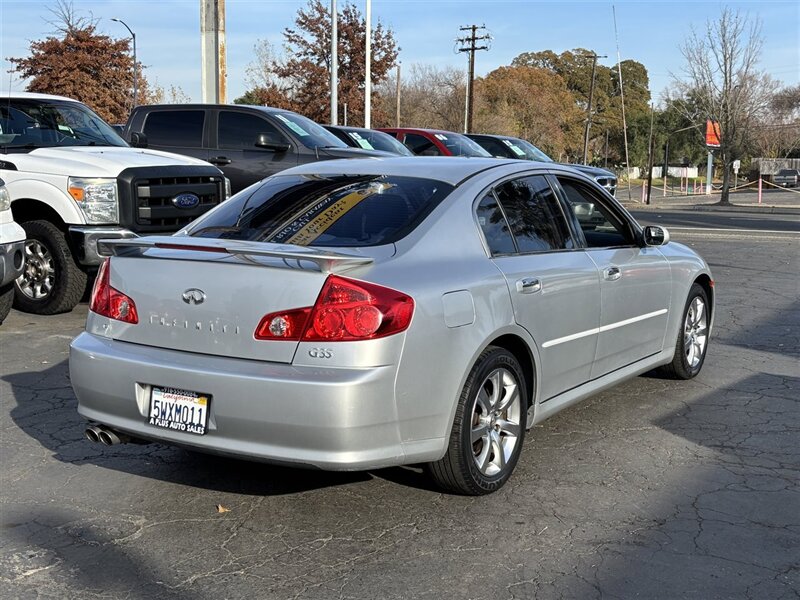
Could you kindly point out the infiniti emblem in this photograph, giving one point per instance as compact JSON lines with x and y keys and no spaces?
{"x":194,"y":296}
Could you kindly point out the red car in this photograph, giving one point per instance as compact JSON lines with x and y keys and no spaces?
{"x":434,"y":142}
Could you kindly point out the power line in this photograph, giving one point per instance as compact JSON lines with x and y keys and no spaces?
{"x":469,"y":44}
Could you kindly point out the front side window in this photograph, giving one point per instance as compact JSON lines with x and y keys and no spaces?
{"x":601,"y":227}
{"x":420,"y":145}
{"x":534,"y":215}
{"x":183,"y":128}
{"x":46,"y":124}
{"x":321,"y":210}
{"x":496,"y":148}
{"x":239,"y":130}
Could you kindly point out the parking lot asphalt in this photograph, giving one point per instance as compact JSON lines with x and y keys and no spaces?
{"x":654,"y":489}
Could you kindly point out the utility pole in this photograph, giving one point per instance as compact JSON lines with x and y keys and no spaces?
{"x":594,"y":58}
{"x":368,"y":70}
{"x":468,"y":44}
{"x":650,"y":153}
{"x":212,"y":36}
{"x":397,"y":116}
{"x":334,"y":64}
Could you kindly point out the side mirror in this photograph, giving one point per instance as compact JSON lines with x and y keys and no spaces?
{"x":138,"y":140}
{"x":272,"y":142}
{"x":654,"y":235}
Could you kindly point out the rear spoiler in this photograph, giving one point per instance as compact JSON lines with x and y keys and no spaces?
{"x":326,"y":261}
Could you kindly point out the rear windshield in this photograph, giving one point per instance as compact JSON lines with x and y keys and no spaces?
{"x":333,"y":211}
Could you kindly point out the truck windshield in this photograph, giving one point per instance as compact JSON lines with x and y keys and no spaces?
{"x":47,"y":124}
{"x":310,"y":134}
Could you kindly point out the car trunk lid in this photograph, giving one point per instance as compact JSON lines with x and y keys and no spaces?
{"x":208,"y":295}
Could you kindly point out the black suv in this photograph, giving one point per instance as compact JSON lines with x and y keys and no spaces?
{"x":504,"y":146}
{"x":247,"y":142}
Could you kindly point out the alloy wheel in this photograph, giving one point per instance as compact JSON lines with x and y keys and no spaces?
{"x":496,"y":422}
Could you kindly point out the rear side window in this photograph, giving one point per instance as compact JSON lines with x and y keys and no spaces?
{"x":314,"y":210}
{"x":495,"y":227}
{"x":534,"y":215}
{"x":175,"y":128}
{"x":239,"y":130}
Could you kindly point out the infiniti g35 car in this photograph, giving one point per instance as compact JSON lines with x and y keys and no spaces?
{"x":358,"y":314}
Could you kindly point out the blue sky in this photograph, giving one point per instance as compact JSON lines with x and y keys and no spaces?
{"x":169,"y":42}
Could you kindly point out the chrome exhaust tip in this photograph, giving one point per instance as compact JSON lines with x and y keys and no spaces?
{"x":92,"y":433}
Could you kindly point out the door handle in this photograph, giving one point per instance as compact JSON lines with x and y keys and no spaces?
{"x":529,"y":285}
{"x":220,"y":160}
{"x":611,"y":273}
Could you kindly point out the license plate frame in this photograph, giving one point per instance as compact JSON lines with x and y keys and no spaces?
{"x":177,"y":409}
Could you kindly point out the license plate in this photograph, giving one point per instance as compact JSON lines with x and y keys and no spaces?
{"x":179,"y":410}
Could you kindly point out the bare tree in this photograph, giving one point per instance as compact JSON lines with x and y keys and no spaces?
{"x":430,"y":96}
{"x":722,"y":82}
{"x":778,"y":135}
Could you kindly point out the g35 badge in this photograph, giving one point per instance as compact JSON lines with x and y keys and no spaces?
{"x":320,"y":353}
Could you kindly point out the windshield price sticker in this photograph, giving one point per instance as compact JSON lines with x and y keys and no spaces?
{"x":293,"y":126}
{"x":361,"y":141}
{"x":179,"y":410}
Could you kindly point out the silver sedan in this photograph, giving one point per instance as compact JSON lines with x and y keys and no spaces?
{"x":364,"y":313}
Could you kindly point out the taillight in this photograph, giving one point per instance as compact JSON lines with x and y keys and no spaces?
{"x":346,"y":310}
{"x":109,"y":302}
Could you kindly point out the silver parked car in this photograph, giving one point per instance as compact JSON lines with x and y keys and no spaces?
{"x":365,"y":313}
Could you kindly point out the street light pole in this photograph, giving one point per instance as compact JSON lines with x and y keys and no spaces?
{"x":135,"y":64}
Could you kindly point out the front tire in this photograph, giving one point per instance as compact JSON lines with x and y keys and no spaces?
{"x":489,"y":427}
{"x":692,"y":342}
{"x":52,"y":282}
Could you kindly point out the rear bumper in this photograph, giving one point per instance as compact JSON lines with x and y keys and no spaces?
{"x":329,"y":418}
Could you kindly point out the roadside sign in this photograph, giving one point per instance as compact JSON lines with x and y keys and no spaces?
{"x":712,"y":134}
{"x":736,"y":165}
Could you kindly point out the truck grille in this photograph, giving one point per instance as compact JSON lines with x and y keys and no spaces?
{"x":151,"y":193}
{"x":610,"y":183}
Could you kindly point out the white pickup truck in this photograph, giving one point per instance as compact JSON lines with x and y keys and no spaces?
{"x":12,"y":252}
{"x":72,"y":181}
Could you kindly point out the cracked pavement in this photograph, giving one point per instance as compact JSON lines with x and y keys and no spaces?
{"x":654,"y":489}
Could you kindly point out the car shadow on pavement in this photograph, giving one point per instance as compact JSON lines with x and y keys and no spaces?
{"x":79,"y":554}
{"x":46,"y":410}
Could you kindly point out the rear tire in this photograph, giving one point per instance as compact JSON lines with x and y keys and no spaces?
{"x":6,"y":300}
{"x":488,"y":429}
{"x":692,"y":342}
{"x":52,"y":281}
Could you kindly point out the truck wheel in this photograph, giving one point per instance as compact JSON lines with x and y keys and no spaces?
{"x":6,"y":299}
{"x":52,"y":282}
